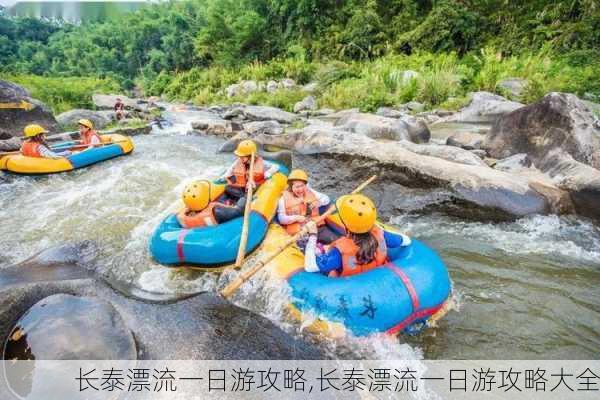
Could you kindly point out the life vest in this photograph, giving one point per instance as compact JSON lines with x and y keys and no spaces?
{"x":349,"y":249}
{"x":200,"y":219}
{"x":299,"y":206}
{"x":239,"y":177}
{"x":86,"y":138}
{"x":30,"y":148}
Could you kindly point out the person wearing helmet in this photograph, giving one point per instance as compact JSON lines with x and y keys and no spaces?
{"x":363,"y":247}
{"x":89,"y":137}
{"x":237,"y":175}
{"x":202,"y":210}
{"x":300,"y":204}
{"x":119,"y":109}
{"x":35,"y":144}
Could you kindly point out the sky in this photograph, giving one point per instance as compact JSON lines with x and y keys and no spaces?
{"x":8,"y":3}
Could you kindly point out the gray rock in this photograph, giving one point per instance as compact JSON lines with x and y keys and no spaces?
{"x":515,"y":163}
{"x":263,"y":127}
{"x":479,"y":153}
{"x":12,"y":144}
{"x":484,"y":107}
{"x":217,"y":127}
{"x":466,"y":140}
{"x":309,"y":103}
{"x":310,"y":87}
{"x":13,"y":120}
{"x":389,"y":112}
{"x":477,"y":185}
{"x":249,"y":86}
{"x":191,"y":326}
{"x":261,"y":113}
{"x":596,"y":159}
{"x":321,"y":112}
{"x":448,"y":153}
{"x":288,"y":83}
{"x":558,"y":120}
{"x":413,"y":106}
{"x":335,"y":116}
{"x":378,"y":127}
{"x":99,"y":118}
{"x":272,"y":86}
{"x":233,"y":90}
{"x":129,"y":131}
{"x":513,"y":86}
{"x":66,"y":327}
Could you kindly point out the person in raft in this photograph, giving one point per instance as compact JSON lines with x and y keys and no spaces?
{"x":364,"y":247}
{"x":300,"y":204}
{"x":89,"y":137}
{"x":201,"y":211}
{"x":237,"y":175}
{"x":35,"y":144}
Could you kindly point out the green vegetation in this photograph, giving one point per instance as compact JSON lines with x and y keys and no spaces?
{"x":356,"y":50}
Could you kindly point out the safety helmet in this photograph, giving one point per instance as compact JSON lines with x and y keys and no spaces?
{"x":298,"y":175}
{"x":357,"y":212}
{"x":33,"y":130}
{"x":245,"y":148}
{"x":196,"y":195}
{"x":86,"y":122}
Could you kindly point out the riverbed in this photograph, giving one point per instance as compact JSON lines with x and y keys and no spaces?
{"x":524,"y":289}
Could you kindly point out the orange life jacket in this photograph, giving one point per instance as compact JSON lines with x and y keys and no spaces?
{"x":30,"y":148}
{"x":349,"y":249}
{"x":298,"y":206}
{"x":240,"y":173}
{"x":86,"y":138}
{"x":200,"y":219}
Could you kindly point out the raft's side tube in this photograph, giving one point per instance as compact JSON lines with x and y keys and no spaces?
{"x":387,"y":299}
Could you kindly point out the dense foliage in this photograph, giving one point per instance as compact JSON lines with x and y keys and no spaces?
{"x":194,"y":48}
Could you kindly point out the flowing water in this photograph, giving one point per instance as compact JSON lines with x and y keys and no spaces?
{"x":525,"y":289}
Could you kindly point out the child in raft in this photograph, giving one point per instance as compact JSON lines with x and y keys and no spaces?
{"x":364,"y":247}
{"x":201,"y":211}
{"x":35,"y":144}
{"x":300,"y":204}
{"x":237,"y":175}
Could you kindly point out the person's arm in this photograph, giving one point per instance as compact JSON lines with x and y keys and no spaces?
{"x":282,"y":216}
{"x":47,"y":153}
{"x":323,"y":263}
{"x":270,"y":169}
{"x":393,"y":240}
{"x":228,"y":172}
{"x":322,"y":198}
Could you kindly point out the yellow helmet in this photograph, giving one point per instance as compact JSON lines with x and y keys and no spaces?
{"x":357,"y":212}
{"x":86,"y":122}
{"x":197,"y":195}
{"x":245,"y":148}
{"x":298,"y":175}
{"x":33,"y":130}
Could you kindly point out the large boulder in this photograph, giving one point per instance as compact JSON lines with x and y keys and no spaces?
{"x":389,"y":112}
{"x":477,"y":185}
{"x":99,"y":118}
{"x":263,"y":127}
{"x":261,"y":113}
{"x":378,"y":127}
{"x":12,"y":144}
{"x":559,"y":120}
{"x":309,"y":103}
{"x":215,"y":126}
{"x":272,"y":86}
{"x":26,"y":110}
{"x":484,"y":107}
{"x":66,"y":327}
{"x":466,"y":140}
{"x":515,"y":163}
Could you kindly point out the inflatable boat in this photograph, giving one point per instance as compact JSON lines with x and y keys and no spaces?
{"x":400,"y":296}
{"x":215,"y":246}
{"x":114,"y":146}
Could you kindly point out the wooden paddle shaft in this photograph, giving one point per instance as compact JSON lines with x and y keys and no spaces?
{"x":230,"y":289}
{"x":244,"y":238}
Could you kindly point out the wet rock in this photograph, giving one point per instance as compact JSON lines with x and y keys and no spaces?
{"x":466,"y":140}
{"x":13,"y":120}
{"x":515,"y":163}
{"x":309,"y":103}
{"x":557,"y":121}
{"x":272,"y":86}
{"x":512,"y":86}
{"x":261,"y":113}
{"x":484,"y":107}
{"x":378,"y":127}
{"x":478,"y":185}
{"x":559,"y":200}
{"x":107,"y":102}
{"x":264,"y":127}
{"x":580,"y":180}
{"x":99,"y":118}
{"x":217,"y":127}
{"x":389,"y":112}
{"x":66,"y":327}
{"x":11,"y":144}
{"x":202,"y":326}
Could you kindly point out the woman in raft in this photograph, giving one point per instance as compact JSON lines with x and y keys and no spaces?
{"x":35,"y":144}
{"x":363,"y":247}
{"x":201,"y":211}
{"x":300,"y":204}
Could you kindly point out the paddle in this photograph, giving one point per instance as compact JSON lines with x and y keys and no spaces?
{"x":244,"y":239}
{"x":228,"y":291}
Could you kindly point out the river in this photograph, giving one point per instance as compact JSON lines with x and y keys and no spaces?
{"x":524,"y":289}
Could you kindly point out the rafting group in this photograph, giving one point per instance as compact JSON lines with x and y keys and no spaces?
{"x":347,"y":271}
